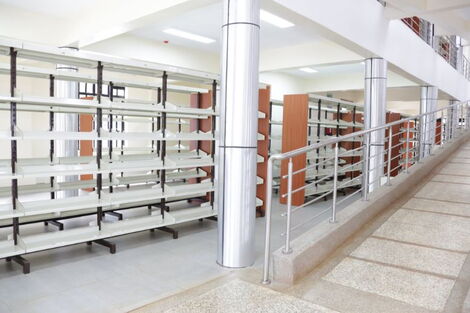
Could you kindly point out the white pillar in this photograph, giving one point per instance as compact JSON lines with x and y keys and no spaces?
{"x":237,"y":150}
{"x":66,"y":122}
{"x":427,"y":123}
{"x":375,"y":113}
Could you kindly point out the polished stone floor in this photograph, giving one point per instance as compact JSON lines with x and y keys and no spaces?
{"x":413,"y":258}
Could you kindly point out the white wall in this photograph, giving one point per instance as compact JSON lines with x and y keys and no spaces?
{"x":283,"y":84}
{"x":144,"y":49}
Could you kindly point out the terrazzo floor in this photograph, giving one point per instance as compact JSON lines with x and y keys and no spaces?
{"x":413,"y":258}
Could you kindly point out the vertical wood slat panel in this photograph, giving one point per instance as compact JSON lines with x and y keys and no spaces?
{"x":294,"y":136}
{"x":86,"y":146}
{"x":263,"y":146}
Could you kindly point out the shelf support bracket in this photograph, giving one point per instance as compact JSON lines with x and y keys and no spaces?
{"x":169,"y":230}
{"x":55,"y":223}
{"x":105,"y":243}
{"x":21,"y":261}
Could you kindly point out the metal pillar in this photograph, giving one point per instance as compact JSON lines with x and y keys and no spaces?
{"x":375,"y":110}
{"x":451,"y":120}
{"x":66,"y":122}
{"x":427,"y":128}
{"x":237,"y":149}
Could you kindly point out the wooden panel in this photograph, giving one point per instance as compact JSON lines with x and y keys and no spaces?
{"x":392,"y":117}
{"x":263,"y":146}
{"x":439,"y":131}
{"x":294,"y":136}
{"x":86,"y":146}
{"x":350,"y":117}
{"x":410,"y":144}
{"x":201,"y":101}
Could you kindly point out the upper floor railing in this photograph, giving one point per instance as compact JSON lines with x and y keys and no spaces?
{"x":379,"y":154}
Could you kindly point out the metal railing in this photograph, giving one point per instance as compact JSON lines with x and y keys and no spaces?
{"x":421,"y":27}
{"x":448,"y":47}
{"x":405,"y":143}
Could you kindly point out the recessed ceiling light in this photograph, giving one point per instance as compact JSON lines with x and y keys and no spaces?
{"x":308,"y":70}
{"x":186,"y":35}
{"x":275,"y":20}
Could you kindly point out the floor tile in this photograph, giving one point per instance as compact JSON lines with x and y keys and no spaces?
{"x":423,"y":235}
{"x":445,"y":192}
{"x":452,"y":179}
{"x":411,"y":256}
{"x":438,"y":206}
{"x":238,"y":296}
{"x":440,"y":222}
{"x":417,"y":289}
{"x":456,"y":169}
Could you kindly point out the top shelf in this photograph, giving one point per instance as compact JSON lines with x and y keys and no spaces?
{"x":333,"y":101}
{"x":86,"y":59}
{"x":36,"y":72}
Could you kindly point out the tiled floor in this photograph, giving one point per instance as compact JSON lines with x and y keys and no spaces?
{"x":146,"y":267}
{"x":415,"y":258}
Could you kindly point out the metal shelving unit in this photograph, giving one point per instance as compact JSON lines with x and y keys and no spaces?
{"x":325,"y":120}
{"x":152,"y":176}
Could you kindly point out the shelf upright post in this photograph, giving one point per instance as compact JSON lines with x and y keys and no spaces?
{"x":354,"y":143}
{"x":270,"y":127}
{"x":110,"y":141}
{"x":317,"y":160}
{"x":214,"y":103}
{"x":159,"y":119}
{"x":123,"y":128}
{"x":198,"y":128}
{"x":163,"y":143}
{"x":51,"y":128}
{"x":99,"y":143}
{"x":14,"y":155}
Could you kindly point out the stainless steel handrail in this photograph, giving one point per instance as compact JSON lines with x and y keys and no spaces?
{"x":462,"y":115}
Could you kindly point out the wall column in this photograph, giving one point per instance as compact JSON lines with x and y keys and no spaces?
{"x":427,"y":128}
{"x":66,"y":122}
{"x":237,"y":149}
{"x":375,"y":112}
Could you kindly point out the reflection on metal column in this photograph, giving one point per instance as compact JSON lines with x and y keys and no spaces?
{"x":238,"y":133}
{"x":375,"y":110}
{"x":66,"y":122}
{"x":427,"y":123}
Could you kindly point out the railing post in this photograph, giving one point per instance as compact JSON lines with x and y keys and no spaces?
{"x":287,"y":248}
{"x":365,"y":168}
{"x":335,"y":185}
{"x":267,"y":242}
{"x":389,"y":158}
{"x":407,"y":146}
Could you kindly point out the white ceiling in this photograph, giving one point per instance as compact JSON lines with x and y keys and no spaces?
{"x":206,"y":21}
{"x":62,"y":8}
{"x":326,"y":70}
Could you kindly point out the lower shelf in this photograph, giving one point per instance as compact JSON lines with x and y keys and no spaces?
{"x":56,"y":239}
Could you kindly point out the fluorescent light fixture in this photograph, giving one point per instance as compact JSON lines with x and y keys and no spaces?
{"x":275,"y":20}
{"x":308,"y":70}
{"x":186,"y":35}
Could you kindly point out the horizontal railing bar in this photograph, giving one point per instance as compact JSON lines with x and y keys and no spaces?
{"x":331,"y":141}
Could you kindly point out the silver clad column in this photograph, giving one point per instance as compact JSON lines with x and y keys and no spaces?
{"x":375,"y":111}
{"x":451,"y":120}
{"x":427,"y":126}
{"x":66,"y":122}
{"x":237,"y":149}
